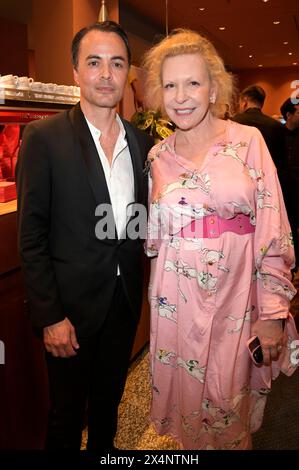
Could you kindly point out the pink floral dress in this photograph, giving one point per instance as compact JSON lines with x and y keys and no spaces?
{"x":207,"y":393}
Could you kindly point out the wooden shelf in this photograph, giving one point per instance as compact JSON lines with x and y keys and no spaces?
{"x":8,"y":207}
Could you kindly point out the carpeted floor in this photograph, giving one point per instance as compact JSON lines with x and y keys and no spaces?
{"x":280,"y":429}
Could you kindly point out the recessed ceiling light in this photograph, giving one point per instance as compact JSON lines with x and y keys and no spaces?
{"x":290,"y":53}
{"x":276,"y":22}
{"x":295,"y":63}
{"x":265,"y":1}
{"x":240,"y":45}
{"x":286,"y":42}
{"x":201,"y":8}
{"x":250,"y":56}
{"x":260,"y":65}
{"x":222,"y":28}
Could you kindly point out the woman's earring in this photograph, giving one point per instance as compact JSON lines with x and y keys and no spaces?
{"x":213,"y":99}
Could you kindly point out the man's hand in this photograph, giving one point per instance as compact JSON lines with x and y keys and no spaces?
{"x":60,"y":339}
{"x":270,"y":334}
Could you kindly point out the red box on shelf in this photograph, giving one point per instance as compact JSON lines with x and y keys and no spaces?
{"x":8,"y":191}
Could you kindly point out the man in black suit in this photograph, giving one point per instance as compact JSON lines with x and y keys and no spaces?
{"x":84,"y":279}
{"x":251,"y":102}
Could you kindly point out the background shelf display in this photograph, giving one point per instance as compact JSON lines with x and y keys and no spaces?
{"x":12,"y":93}
{"x":14,"y":115}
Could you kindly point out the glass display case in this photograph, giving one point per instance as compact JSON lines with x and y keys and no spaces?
{"x":14,"y":115}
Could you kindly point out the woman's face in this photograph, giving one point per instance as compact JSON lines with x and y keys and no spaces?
{"x":187,"y":89}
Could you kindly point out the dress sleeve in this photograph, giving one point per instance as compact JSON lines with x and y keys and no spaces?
{"x":273,"y":244}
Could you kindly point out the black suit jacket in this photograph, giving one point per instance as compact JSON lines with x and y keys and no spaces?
{"x":272,"y":131}
{"x":60,"y":182}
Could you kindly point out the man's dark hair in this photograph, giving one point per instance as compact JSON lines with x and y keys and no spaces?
{"x":287,"y":107}
{"x":254,"y":93}
{"x":106,"y":27}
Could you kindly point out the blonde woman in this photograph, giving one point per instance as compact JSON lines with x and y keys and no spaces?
{"x":222,"y":252}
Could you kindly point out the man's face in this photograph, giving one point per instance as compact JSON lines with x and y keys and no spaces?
{"x":293,"y":119}
{"x":102,"y":69}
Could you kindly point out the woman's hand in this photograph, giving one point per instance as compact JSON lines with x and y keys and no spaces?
{"x":270,"y":334}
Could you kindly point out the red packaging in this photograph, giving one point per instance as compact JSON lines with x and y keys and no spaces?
{"x":8,"y":191}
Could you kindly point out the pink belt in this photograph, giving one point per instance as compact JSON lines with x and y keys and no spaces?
{"x":212,"y":226}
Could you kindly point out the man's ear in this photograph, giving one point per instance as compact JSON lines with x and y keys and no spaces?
{"x":244,"y":104}
{"x":75,"y":74}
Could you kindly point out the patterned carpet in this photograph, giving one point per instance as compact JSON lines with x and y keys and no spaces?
{"x":280,"y":429}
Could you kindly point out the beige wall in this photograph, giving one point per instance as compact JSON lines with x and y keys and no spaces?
{"x":138,"y":46}
{"x":113,"y":9}
{"x":275,"y":81}
{"x":84,"y":13}
{"x":13,"y":50}
{"x":53,"y":32}
{"x":53,"y":26}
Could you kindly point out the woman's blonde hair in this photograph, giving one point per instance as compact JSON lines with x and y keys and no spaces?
{"x":185,"y":41}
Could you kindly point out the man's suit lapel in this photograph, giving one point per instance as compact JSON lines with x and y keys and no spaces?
{"x":93,"y":164}
{"x":136,"y":160}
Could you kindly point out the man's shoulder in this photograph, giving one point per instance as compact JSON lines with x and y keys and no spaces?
{"x":255,"y":117}
{"x":246,"y":117}
{"x":272,"y":122}
{"x":240,"y":117}
{"x":50,"y":123}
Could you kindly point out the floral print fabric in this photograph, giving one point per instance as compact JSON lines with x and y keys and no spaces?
{"x":207,"y":393}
